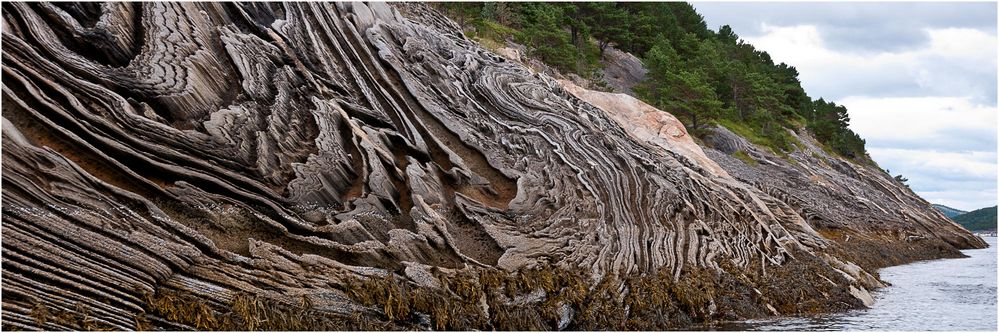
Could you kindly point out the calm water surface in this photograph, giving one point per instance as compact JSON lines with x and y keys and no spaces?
{"x":937,"y":295}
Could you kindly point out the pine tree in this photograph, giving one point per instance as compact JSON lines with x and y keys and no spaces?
{"x":699,"y":75}
{"x":678,"y":90}
{"x":608,"y":23}
{"x":543,"y":32}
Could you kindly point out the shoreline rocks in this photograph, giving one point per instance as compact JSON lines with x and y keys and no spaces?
{"x":201,"y":165}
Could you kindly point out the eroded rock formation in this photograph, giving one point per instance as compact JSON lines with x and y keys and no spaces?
{"x":288,"y":151}
{"x":856,"y":205}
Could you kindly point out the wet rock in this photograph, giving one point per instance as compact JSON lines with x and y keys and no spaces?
{"x":565,"y":316}
{"x":862,"y":294}
{"x":286,"y":150}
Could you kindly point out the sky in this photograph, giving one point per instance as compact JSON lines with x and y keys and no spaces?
{"x":918,"y":79}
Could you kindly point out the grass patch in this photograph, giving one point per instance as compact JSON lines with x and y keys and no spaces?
{"x":489,"y":44}
{"x":863,"y":160}
{"x":797,"y":144}
{"x":485,"y":28}
{"x":745,"y":158}
{"x":821,"y":158}
{"x":749,"y":134}
{"x":779,"y":143}
{"x":490,"y":34}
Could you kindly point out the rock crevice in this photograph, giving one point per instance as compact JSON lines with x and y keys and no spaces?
{"x":287,"y":151}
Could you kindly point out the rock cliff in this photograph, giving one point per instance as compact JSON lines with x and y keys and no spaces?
{"x":349,"y":165}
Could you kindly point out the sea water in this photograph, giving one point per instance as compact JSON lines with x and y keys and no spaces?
{"x":933,"y":295}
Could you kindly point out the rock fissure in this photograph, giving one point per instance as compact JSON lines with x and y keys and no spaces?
{"x":366,"y":166}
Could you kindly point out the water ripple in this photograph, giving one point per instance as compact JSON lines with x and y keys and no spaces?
{"x":936,"y":295}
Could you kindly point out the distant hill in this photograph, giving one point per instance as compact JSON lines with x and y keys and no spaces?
{"x":981,"y":219}
{"x":948,"y":211}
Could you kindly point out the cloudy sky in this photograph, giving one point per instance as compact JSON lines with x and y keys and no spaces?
{"x":919,"y":80}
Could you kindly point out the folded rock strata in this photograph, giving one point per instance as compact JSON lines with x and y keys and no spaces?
{"x":858,"y":206}
{"x":287,"y":151}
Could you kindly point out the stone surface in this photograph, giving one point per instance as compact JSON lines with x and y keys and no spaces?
{"x":647,"y":124}
{"x":621,"y":70}
{"x":842,"y":198}
{"x":281,"y":150}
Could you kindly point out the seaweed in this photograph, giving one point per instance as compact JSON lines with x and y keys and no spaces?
{"x":543,"y":297}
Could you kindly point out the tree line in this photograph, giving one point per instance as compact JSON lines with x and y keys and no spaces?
{"x":701,"y":76}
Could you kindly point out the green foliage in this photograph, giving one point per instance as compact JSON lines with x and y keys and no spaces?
{"x":504,"y":13}
{"x":976,"y":220}
{"x":703,"y":77}
{"x":461,"y":12}
{"x":745,"y":158}
{"x":769,"y":140}
{"x":607,"y":22}
{"x":542,"y":30}
{"x":685,"y":92}
{"x":829,"y":122}
{"x":487,"y":28}
{"x":558,"y":34}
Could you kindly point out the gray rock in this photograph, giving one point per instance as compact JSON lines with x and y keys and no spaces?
{"x":281,"y":150}
{"x":622,"y":71}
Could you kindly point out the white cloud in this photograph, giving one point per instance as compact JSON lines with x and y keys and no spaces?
{"x":963,"y":200}
{"x":953,"y":123}
{"x":864,"y":27}
{"x":964,"y":180}
{"x":927,"y":112}
{"x":955,"y":62}
{"x":946,"y":166}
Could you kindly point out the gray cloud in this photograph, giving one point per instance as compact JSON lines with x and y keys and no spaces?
{"x":964,"y":200}
{"x":855,"y":27}
{"x":919,"y":80}
{"x":953,"y":77}
{"x":867,"y":39}
{"x":939,"y":185}
{"x":956,"y":140}
{"x":948,"y":186}
{"x":869,"y":82}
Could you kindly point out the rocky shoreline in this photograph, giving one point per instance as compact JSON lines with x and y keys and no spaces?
{"x":365,"y":166}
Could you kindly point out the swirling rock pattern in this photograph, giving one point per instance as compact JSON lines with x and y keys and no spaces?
{"x":284,"y":149}
{"x":850,"y":203}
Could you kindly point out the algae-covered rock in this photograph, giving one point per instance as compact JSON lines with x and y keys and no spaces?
{"x":289,"y":166}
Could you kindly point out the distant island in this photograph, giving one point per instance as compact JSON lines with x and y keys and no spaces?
{"x":949,"y":211}
{"x":983,"y":219}
{"x":415,"y":166}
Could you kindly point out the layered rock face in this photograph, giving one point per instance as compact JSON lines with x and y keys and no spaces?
{"x":857,"y":205}
{"x":288,"y":151}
